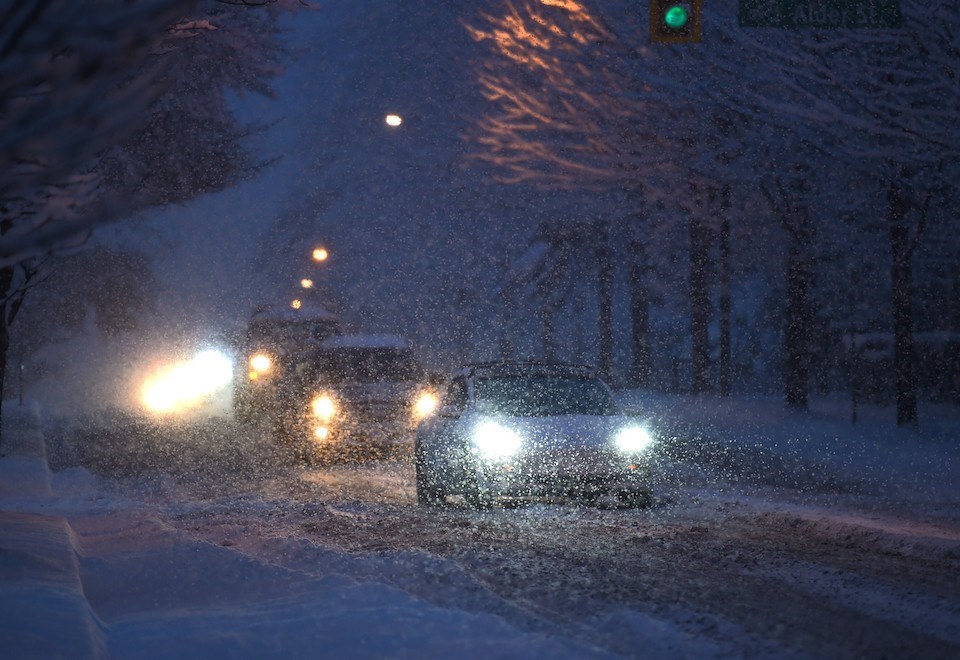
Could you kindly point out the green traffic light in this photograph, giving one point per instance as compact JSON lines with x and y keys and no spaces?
{"x":676,"y":17}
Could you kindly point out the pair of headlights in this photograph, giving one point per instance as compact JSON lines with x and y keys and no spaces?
{"x":325,"y":408}
{"x":496,"y":442}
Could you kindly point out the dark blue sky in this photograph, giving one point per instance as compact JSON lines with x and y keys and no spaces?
{"x":415,"y":233}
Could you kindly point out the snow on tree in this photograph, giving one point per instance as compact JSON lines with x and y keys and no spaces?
{"x":105,"y":112}
{"x":889,"y":103}
{"x":803,"y":113}
{"x":67,"y":93}
{"x":584,"y":105}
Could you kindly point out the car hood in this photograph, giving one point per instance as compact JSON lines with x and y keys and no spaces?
{"x":375,"y":392}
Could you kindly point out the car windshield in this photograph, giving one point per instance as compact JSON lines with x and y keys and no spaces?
{"x":367,"y":365}
{"x":275,"y":331}
{"x":543,"y":396}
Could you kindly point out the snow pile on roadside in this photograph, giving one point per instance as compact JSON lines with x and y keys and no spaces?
{"x":793,"y":448}
{"x":87,"y":574}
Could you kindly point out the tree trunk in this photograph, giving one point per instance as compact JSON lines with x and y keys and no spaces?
{"x":797,"y":326}
{"x":725,"y":366}
{"x":953,"y":346}
{"x":4,"y":348}
{"x":901,"y":284}
{"x":699,"y":307}
{"x":6,"y":281}
{"x":507,"y":312}
{"x":605,"y":320}
{"x":547,"y":336}
{"x":639,"y":315}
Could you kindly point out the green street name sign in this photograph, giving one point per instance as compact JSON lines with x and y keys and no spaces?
{"x":820,"y":14}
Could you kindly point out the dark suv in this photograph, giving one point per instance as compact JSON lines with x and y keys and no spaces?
{"x":274,"y":341}
{"x":355,"y":395}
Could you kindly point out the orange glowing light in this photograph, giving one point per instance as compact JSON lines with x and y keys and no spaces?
{"x":296,"y":303}
{"x":393,"y":120}
{"x":260,"y":363}
{"x":306,"y":283}
{"x":320,"y":254}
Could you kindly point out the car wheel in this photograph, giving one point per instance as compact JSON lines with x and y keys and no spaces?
{"x":637,"y":498}
{"x":588,"y":497}
{"x":428,"y":494}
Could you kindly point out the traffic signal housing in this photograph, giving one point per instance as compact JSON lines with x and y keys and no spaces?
{"x":675,"y":21}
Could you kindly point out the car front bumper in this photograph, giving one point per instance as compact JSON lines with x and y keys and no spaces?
{"x":570,"y":473}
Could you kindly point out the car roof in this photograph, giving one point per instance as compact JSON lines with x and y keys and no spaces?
{"x":307,"y":312}
{"x":366,"y":341}
{"x":508,"y":368}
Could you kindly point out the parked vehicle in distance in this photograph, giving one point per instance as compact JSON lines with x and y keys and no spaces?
{"x":274,"y":341}
{"x":531,"y":429}
{"x":355,"y":397}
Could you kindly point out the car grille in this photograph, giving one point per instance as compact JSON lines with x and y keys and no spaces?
{"x":378,"y":411}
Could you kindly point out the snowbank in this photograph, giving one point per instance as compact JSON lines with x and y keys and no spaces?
{"x":84,"y":573}
{"x":763,"y":436}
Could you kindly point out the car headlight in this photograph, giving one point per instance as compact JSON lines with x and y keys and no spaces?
{"x":633,"y":439}
{"x":425,"y":405}
{"x":494,"y":441}
{"x":324,"y":407}
{"x":260,"y":364}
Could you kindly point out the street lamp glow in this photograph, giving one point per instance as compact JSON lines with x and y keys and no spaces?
{"x":296,"y":303}
{"x":306,"y":283}
{"x":320,"y":254}
{"x":393,"y":120}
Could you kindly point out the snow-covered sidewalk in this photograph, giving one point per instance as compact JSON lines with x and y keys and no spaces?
{"x":43,"y":609}
{"x":88,"y":574}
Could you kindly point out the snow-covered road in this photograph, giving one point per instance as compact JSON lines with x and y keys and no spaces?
{"x":742,"y":554}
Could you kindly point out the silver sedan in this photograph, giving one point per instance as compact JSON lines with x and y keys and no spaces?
{"x":531,"y":430}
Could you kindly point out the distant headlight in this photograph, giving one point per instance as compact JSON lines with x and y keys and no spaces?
{"x":324,"y":407}
{"x":425,"y":405}
{"x":495,"y":442}
{"x":260,"y":364}
{"x":633,"y":439}
{"x":187,"y":384}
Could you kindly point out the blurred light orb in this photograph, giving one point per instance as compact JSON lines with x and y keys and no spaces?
{"x":634,"y":439}
{"x":321,"y":433}
{"x":186,"y":385}
{"x":320,"y":254}
{"x":324,"y":407}
{"x":393,"y":120}
{"x":261,"y":363}
{"x":495,"y":442}
{"x":425,"y":405}
{"x":296,"y":303}
{"x":306,"y":283}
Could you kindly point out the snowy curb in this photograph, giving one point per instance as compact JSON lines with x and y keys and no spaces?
{"x":40,"y":581}
{"x":39,"y":571}
{"x":22,"y":449}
